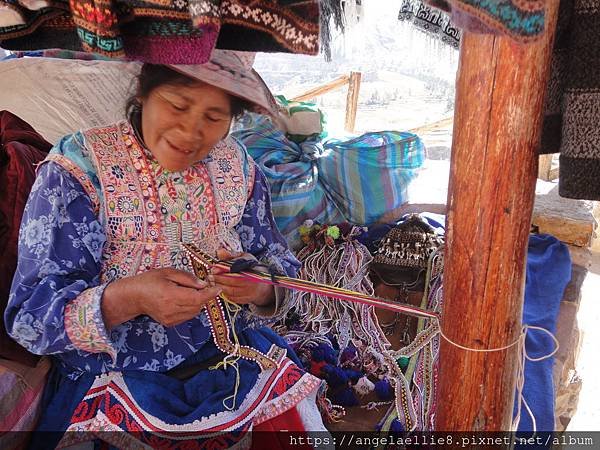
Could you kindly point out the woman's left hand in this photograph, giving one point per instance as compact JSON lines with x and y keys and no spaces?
{"x":236,"y":288}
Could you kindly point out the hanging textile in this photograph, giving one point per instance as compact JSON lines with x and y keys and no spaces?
{"x":174,"y":32}
{"x":340,"y":342}
{"x":430,"y":20}
{"x":548,"y":272}
{"x":573,"y":100}
{"x":346,"y":344}
{"x":521,"y":22}
{"x":270,"y":26}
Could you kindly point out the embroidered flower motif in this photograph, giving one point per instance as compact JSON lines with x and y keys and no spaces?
{"x":224,"y":165}
{"x":117,"y":171}
{"x":126,"y":205}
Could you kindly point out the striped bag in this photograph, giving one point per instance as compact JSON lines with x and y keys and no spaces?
{"x":334,"y":181}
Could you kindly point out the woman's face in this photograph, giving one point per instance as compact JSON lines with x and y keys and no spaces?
{"x":182,"y":123}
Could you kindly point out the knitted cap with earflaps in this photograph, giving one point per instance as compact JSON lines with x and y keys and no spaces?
{"x":405,"y":250}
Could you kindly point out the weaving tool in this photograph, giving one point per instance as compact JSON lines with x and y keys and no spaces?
{"x":215,"y":308}
{"x":202,"y":262}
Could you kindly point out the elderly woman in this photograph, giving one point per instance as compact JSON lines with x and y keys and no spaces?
{"x":104,"y":283}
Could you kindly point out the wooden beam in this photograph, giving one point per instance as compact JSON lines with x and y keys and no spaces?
{"x":444,"y":123}
{"x":323,"y":89}
{"x":497,"y":123}
{"x":352,"y":101}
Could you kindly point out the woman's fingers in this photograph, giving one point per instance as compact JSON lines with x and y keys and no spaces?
{"x":225,"y":255}
{"x":186,"y":297}
{"x":185,"y":279}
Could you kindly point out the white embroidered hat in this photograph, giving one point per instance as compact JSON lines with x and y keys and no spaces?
{"x":232,"y":71}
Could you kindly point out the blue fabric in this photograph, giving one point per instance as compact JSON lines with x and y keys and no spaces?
{"x":548,"y":273}
{"x":174,"y":401}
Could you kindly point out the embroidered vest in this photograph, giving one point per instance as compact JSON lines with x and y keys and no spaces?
{"x":146,"y":221}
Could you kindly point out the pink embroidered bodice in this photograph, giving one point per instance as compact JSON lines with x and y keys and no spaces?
{"x":148,"y":211}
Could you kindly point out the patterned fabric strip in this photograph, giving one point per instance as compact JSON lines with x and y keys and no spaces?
{"x":288,"y":399}
{"x":84,"y":323}
{"x":294,"y":32}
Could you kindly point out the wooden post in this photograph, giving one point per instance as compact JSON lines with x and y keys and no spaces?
{"x":497,"y":123}
{"x":352,"y":101}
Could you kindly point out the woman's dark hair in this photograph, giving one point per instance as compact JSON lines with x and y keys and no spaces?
{"x":154,"y":75}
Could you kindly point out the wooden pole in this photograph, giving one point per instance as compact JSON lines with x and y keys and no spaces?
{"x":497,"y":123}
{"x":352,"y":101}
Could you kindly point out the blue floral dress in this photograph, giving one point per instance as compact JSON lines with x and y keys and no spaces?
{"x":81,"y":229}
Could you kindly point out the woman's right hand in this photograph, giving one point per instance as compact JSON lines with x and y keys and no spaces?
{"x":169,"y":296}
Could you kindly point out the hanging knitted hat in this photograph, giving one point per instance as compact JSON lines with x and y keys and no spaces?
{"x":403,"y":254}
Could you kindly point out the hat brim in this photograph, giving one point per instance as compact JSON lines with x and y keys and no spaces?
{"x":247,"y":85}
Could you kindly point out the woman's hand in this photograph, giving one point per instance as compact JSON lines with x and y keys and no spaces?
{"x":236,"y":288}
{"x":169,"y":296}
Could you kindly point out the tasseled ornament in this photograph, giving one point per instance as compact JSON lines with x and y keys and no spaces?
{"x":403,"y":362}
{"x":364,"y":386}
{"x":329,"y":9}
{"x":344,"y":397}
{"x":384,"y":390}
{"x":324,"y":352}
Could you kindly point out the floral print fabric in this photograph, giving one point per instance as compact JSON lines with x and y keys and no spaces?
{"x":61,"y":245}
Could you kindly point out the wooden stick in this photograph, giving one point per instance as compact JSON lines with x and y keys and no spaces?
{"x":352,"y":101}
{"x":497,"y":124}
{"x":323,"y":89}
{"x":447,"y":122}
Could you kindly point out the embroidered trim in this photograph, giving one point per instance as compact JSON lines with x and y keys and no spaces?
{"x":289,"y":399}
{"x":228,"y":181}
{"x":285,"y":27}
{"x":81,"y":176}
{"x":251,"y":176}
{"x":84,"y":323}
{"x":219,"y":325}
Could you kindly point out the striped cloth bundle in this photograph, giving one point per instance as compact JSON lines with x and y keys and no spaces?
{"x":334,"y":181}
